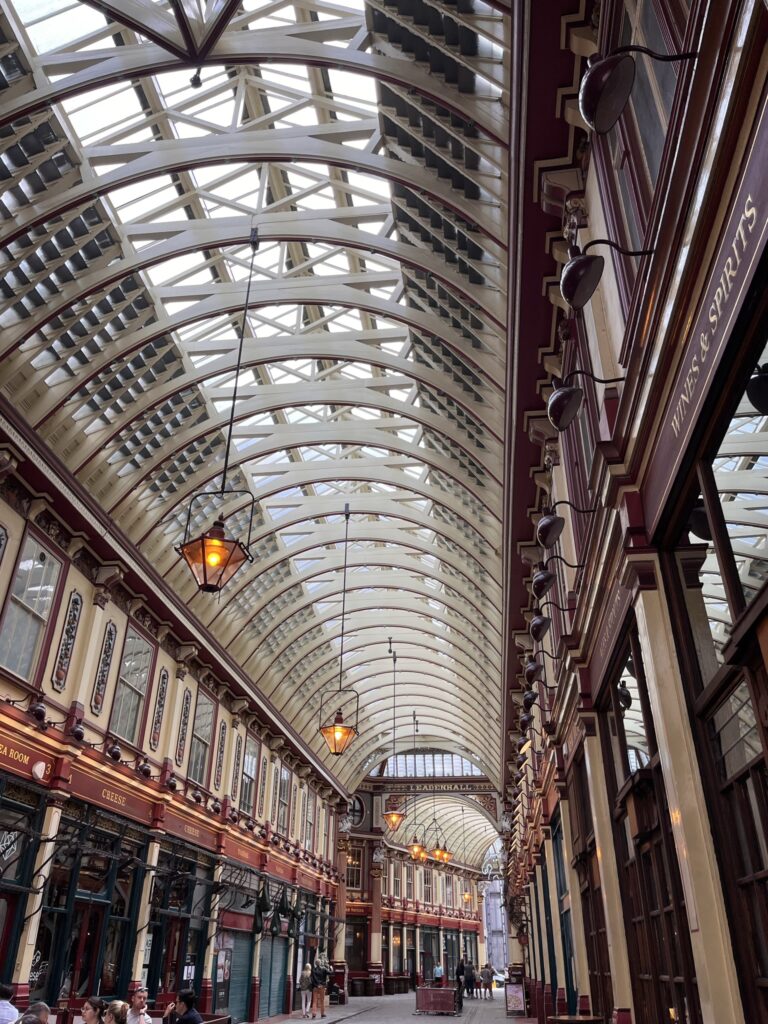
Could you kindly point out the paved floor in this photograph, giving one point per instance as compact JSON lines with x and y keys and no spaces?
{"x":394,"y":1009}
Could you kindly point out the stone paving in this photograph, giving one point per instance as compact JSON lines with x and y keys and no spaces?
{"x":395,"y":1009}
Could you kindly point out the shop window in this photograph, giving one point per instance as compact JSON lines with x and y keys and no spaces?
{"x":200,"y":746}
{"x":354,"y":867}
{"x":397,"y":950}
{"x":735,"y":734}
{"x":428,"y":886}
{"x":283,"y":800}
{"x":309,"y":823}
{"x":250,"y":775}
{"x":28,"y":609}
{"x":627,"y":716}
{"x":722,"y":554}
{"x":131,"y":690}
{"x":85,"y":938}
{"x":630,"y":156}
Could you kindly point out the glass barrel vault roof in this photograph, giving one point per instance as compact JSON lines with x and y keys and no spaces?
{"x":366,"y":141}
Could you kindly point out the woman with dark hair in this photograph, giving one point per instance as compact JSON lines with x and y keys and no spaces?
{"x":93,"y":1010}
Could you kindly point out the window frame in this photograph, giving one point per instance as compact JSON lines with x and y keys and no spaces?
{"x":205,"y":692}
{"x":44,"y":646}
{"x":283,"y":800}
{"x":141,"y":724}
{"x":310,"y":824}
{"x":250,"y":738}
{"x":355,"y":869}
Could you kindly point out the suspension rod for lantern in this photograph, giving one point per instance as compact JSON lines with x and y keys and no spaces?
{"x":254,"y":242}
{"x":344,"y":591}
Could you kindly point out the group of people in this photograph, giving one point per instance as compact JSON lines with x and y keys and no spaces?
{"x":476,"y":983}
{"x":313,"y":985}
{"x":98,"y":1011}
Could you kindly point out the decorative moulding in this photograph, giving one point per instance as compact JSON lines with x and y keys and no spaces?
{"x":186,"y":705}
{"x":102,"y":673}
{"x":157,"y":718}
{"x":67,"y":643}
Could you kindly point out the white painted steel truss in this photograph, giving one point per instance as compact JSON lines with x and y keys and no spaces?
{"x":367,"y":142}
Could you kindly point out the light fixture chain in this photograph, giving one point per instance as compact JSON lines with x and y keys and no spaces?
{"x":254,"y":241}
{"x":343,"y":592}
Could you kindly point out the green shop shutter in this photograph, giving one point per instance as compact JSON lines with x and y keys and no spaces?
{"x":240,"y":978}
{"x":273,"y":964}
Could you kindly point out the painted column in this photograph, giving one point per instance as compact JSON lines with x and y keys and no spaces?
{"x":557,"y":935}
{"x":581,"y":964}
{"x":546,"y":1005}
{"x":481,"y":951}
{"x":340,"y":925}
{"x":25,"y":958}
{"x":205,"y":1002}
{"x":143,"y":915}
{"x":404,"y":946}
{"x":375,"y":966}
{"x":417,"y":955}
{"x":616,"y":938}
{"x":712,"y":951}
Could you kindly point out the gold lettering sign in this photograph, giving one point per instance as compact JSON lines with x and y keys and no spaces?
{"x":718,"y":305}
{"x":113,"y":798}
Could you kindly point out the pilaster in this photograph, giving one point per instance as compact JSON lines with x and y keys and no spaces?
{"x":712,"y":951}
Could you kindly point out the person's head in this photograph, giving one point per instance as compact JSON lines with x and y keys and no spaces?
{"x":6,"y":991}
{"x":185,"y":1000}
{"x":41,"y":1011}
{"x":139,"y":1000}
{"x":307,"y":968}
{"x":93,"y":1010}
{"x":28,"y":1018}
{"x":116,"y":1012}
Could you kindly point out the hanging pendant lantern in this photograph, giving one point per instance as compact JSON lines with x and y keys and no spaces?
{"x":337,"y":731}
{"x":393,"y":817}
{"x":214,"y":557}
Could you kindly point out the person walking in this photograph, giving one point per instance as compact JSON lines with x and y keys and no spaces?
{"x":487,"y":978}
{"x":469,"y":979}
{"x":321,"y":971}
{"x":305,"y":987}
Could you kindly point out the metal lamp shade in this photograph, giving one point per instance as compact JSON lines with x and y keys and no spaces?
{"x":533,"y":670}
{"x":214,"y":558}
{"x":563,"y":406}
{"x":542,"y":583}
{"x":579,"y":279}
{"x":605,"y":89}
{"x":447,"y":855}
{"x":338,"y":735}
{"x":525,"y":721}
{"x":415,"y":848}
{"x":529,"y":699}
{"x":539,"y":626}
{"x":394,"y":819}
{"x":757,"y":389}
{"x":548,"y":529}
{"x":698,"y":523}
